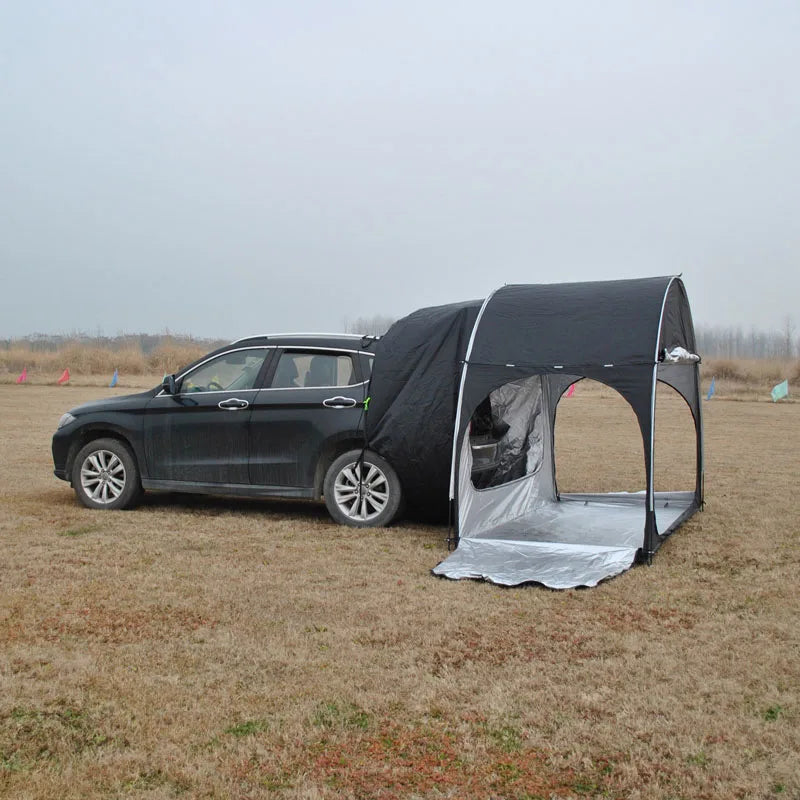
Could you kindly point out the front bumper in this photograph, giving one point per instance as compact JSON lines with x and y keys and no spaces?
{"x":61,"y":445}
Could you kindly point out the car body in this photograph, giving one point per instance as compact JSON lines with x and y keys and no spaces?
{"x":265,"y":416}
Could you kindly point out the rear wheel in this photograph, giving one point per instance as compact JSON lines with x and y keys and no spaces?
{"x":362,"y":493}
{"x":105,"y":475}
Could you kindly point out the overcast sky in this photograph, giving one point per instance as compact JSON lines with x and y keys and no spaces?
{"x":220,"y":169}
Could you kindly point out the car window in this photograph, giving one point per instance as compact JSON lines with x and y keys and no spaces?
{"x":234,"y":371}
{"x":298,"y":370}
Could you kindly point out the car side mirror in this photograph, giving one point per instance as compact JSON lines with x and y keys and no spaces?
{"x":168,"y":385}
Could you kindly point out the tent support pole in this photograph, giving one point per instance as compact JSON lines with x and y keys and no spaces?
{"x":452,"y":536}
{"x":650,"y":537}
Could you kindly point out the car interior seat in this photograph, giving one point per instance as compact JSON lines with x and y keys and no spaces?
{"x":321,"y":371}
{"x":286,"y":374}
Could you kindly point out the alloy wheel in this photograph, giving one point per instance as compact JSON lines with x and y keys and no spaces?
{"x":103,"y":476}
{"x":361,"y":491}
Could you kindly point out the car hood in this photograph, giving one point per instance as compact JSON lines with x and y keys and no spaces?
{"x":128,"y":402}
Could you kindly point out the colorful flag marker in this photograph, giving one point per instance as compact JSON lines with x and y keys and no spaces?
{"x":23,"y":376}
{"x":711,"y":389}
{"x":114,"y":378}
{"x":64,"y":377}
{"x":779,"y":391}
{"x":570,"y":391}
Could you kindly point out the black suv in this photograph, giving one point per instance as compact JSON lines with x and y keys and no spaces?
{"x":266,"y":416}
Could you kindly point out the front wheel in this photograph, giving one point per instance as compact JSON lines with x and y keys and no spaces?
{"x":362,"y":492}
{"x":105,"y":475}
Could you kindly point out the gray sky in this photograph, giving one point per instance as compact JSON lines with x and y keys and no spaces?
{"x":228,"y":168}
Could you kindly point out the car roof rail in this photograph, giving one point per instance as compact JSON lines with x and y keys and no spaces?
{"x":304,"y":334}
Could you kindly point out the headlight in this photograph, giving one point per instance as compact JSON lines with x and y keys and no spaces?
{"x":65,"y":420}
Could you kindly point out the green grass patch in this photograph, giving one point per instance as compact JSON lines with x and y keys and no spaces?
{"x":83,"y":529}
{"x":346,"y":715}
{"x":30,"y":736}
{"x":249,"y":728}
{"x":275,"y":781}
{"x":10,"y":763}
{"x":507,"y":738}
{"x":587,"y":786}
{"x":315,"y":629}
{"x":508,"y":772}
{"x":156,"y":779}
{"x":699,"y":759}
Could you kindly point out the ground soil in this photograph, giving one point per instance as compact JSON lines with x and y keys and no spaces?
{"x":200,"y":647}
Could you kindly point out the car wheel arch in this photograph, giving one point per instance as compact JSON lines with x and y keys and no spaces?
{"x":105,"y":474}
{"x":330,"y":451}
{"x":90,"y":434}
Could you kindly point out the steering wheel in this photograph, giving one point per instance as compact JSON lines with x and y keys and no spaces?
{"x":215,"y":385}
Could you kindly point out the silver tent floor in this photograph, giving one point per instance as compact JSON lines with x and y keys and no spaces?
{"x":578,"y":541}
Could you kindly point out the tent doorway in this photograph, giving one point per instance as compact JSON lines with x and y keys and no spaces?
{"x":675,"y":442}
{"x":598,"y":444}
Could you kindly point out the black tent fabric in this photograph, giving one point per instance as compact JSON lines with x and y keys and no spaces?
{"x":413,"y":395}
{"x":442,"y":372}
{"x":579,"y":324}
{"x":625,"y":334}
{"x":614,"y":332}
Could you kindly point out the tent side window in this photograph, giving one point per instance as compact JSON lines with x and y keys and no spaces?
{"x":507,"y":434}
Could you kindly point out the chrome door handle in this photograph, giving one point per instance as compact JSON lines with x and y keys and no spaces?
{"x":339,"y":402}
{"x":234,"y":404}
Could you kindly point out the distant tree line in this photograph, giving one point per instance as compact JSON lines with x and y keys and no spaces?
{"x":376,"y":325}
{"x":145,"y":342}
{"x":715,"y":341}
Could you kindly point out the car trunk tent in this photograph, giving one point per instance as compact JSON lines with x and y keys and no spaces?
{"x":471,"y":390}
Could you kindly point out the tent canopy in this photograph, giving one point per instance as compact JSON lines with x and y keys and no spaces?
{"x":583,"y":324}
{"x":493,"y":378}
{"x":413,"y":396}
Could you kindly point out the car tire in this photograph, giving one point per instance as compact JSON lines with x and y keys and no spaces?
{"x":105,"y":475}
{"x":371,"y":501}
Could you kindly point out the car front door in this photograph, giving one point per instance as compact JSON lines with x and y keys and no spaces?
{"x":314,"y":396}
{"x":200,"y":435}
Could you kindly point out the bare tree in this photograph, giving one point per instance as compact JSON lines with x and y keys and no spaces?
{"x":729,"y":342}
{"x":372,"y":326}
{"x":788,"y":337}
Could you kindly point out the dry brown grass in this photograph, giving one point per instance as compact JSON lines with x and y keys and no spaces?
{"x":83,"y":361}
{"x":235,"y":649}
{"x":748,"y":378}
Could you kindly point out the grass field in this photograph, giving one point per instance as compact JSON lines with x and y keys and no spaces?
{"x":231,"y":649}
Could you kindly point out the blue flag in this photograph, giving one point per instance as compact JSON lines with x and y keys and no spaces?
{"x":114,"y":378}
{"x":779,"y":391}
{"x":711,"y":389}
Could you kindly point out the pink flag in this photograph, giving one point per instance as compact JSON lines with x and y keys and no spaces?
{"x":64,"y":377}
{"x":570,"y":391}
{"x":23,"y":376}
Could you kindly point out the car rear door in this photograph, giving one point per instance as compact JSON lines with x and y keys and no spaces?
{"x":314,"y":395}
{"x":201,"y":434}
